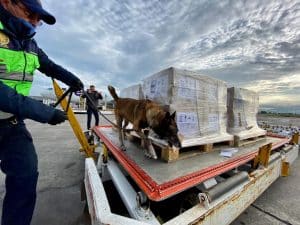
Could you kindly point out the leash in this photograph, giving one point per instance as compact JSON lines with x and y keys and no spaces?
{"x":69,"y":91}
{"x":62,"y":97}
{"x":101,"y":114}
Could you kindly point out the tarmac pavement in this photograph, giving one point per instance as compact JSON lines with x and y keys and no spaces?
{"x":278,"y":205}
{"x":61,"y":168}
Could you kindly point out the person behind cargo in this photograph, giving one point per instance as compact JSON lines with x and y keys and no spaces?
{"x":91,"y":104}
{"x":20,"y":56}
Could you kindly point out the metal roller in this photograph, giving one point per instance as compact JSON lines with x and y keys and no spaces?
{"x":226,"y":186}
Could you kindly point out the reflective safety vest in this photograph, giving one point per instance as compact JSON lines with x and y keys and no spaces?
{"x":17,"y":64}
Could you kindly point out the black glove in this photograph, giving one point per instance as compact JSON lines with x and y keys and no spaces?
{"x":76,"y":85}
{"x":58,"y":117}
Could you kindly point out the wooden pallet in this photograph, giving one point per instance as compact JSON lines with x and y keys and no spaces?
{"x":169,"y":154}
{"x":239,"y":142}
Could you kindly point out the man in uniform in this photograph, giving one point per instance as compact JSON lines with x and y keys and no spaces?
{"x":92,"y":105}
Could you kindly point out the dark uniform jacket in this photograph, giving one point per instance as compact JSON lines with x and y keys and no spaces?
{"x":20,"y":39}
{"x":92,"y":99}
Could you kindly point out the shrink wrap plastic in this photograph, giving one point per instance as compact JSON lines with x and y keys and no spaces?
{"x":199,"y":102}
{"x":242,"y":108}
{"x":134,"y":91}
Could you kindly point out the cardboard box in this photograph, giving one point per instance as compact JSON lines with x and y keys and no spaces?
{"x":242,"y":109}
{"x":199,"y":102}
{"x":134,"y":91}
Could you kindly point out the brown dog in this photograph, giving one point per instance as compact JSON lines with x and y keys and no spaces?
{"x":145,"y":114}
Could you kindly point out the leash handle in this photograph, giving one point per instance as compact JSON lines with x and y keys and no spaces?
{"x":59,"y":100}
{"x":69,"y":101}
{"x":62,"y":97}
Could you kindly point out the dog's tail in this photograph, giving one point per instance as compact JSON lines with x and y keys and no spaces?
{"x":113,"y":93}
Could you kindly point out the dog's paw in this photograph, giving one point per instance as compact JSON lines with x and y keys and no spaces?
{"x":151,"y":154}
{"x":123,"y":148}
{"x":147,"y":155}
{"x":154,"y":157}
{"x":174,"y":149}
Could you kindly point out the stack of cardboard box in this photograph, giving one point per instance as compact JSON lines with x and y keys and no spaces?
{"x":242,"y":108}
{"x":199,"y":102}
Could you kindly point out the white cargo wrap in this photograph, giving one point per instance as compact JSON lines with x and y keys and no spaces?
{"x":199,"y":102}
{"x":133,"y":91}
{"x":242,"y":108}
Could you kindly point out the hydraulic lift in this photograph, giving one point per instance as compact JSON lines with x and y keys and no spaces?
{"x":218,"y":189}
{"x":226,"y":186}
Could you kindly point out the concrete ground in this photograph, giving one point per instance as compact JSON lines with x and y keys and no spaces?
{"x":61,"y":168}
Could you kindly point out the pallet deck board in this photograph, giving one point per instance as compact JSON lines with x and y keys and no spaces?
{"x":169,"y":155}
{"x":248,"y":141}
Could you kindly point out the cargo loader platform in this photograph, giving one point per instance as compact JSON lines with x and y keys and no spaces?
{"x":227,"y":186}
{"x":160,"y":180}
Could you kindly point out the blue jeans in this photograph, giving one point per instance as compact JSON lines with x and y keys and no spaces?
{"x":19,"y":163}
{"x":91,"y":111}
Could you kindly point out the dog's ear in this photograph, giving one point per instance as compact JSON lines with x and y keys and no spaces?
{"x":167,"y":115}
{"x":173,"y":115}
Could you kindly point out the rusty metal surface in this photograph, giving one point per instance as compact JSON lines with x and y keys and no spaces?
{"x":224,"y":210}
{"x":160,"y":180}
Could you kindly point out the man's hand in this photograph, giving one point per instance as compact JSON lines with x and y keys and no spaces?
{"x":77,"y":85}
{"x":100,"y":95}
{"x":58,"y":117}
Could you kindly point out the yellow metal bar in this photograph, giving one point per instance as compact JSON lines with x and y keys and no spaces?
{"x":263,"y":156}
{"x":105,"y":153}
{"x":285,"y":169}
{"x":295,"y":139}
{"x":86,"y":147}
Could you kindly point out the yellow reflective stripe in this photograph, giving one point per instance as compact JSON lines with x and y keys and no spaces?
{"x":2,"y":68}
{"x":16,"y":76}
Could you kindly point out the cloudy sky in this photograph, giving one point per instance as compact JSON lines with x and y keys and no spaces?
{"x":251,"y":43}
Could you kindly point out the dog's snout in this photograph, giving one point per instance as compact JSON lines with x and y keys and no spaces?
{"x":174,"y":142}
{"x":177,"y":144}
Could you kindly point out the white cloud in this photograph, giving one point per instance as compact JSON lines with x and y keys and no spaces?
{"x":284,"y":90}
{"x":280,"y":99}
{"x":120,"y":42}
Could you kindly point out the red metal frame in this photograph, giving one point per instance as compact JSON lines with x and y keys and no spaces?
{"x":158,"y":192}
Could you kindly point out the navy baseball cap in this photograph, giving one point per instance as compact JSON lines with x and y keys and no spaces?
{"x":35,"y":6}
